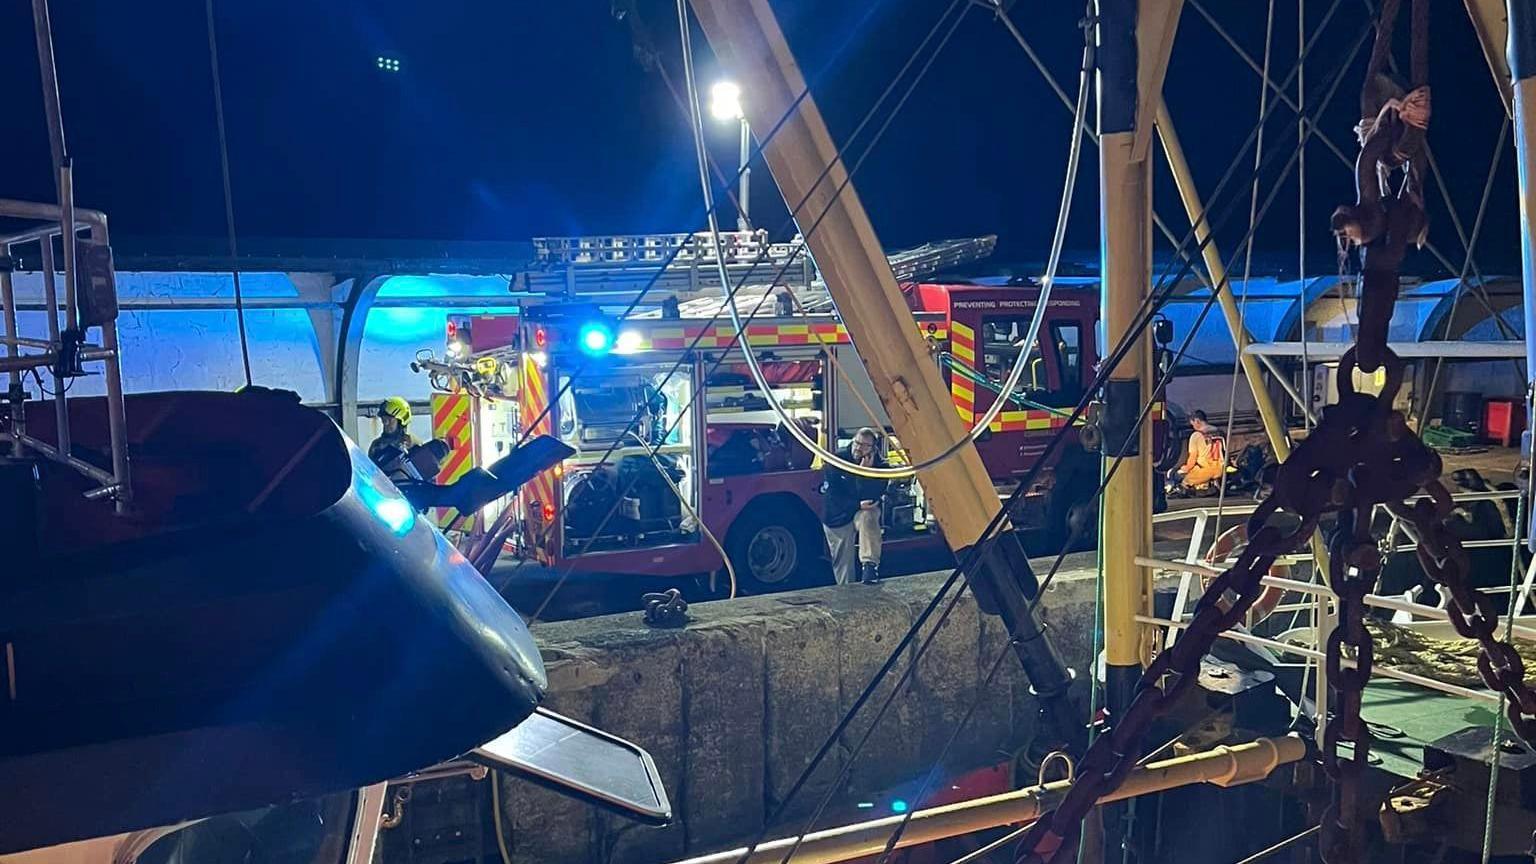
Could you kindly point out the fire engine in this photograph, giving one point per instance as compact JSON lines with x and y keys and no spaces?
{"x":681,"y":465}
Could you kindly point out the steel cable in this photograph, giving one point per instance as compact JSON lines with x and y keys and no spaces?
{"x":1015,"y":374}
{"x":1109,"y":364}
{"x":1461,"y":279}
{"x":229,"y":199}
{"x":731,"y":295}
{"x":1242,"y":309}
{"x":710,"y":206}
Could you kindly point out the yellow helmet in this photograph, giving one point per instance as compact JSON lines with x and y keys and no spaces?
{"x":397,"y":408}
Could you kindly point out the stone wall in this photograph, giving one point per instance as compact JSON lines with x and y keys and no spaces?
{"x":733,"y":707}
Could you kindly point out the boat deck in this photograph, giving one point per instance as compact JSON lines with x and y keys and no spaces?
{"x":1406,"y":717}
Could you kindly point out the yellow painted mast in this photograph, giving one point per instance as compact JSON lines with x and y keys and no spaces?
{"x":1135,"y":38}
{"x":805,"y":162}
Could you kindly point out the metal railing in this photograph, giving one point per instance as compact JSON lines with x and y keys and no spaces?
{"x":89,"y":301}
{"x":1318,"y":599}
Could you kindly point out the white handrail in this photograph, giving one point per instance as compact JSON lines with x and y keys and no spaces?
{"x":1314,"y":654}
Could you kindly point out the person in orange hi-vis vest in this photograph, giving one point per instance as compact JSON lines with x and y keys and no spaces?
{"x":1207,"y":455}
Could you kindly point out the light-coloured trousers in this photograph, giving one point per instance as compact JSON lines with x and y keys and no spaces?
{"x":864,"y":533}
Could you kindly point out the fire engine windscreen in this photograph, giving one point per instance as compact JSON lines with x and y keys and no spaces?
{"x":631,"y":410}
{"x":1005,"y":338}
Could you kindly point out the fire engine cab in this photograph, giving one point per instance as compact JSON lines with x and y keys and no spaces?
{"x":681,"y":465}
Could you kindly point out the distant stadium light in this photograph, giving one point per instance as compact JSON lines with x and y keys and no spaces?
{"x":725,"y":101}
{"x":388,"y":64}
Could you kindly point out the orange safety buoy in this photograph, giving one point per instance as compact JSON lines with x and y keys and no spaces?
{"x":1228,"y":545}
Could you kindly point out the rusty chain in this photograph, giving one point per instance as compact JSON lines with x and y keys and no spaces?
{"x":1471,"y":612}
{"x":1362,"y":454}
{"x":1053,"y":838}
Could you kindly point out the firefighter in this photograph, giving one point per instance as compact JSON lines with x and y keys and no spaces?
{"x":851,"y":512}
{"x":396,"y":441}
{"x":1207,"y":455}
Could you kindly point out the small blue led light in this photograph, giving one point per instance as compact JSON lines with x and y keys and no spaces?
{"x":899,"y":806}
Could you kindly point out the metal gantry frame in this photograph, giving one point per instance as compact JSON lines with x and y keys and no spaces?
{"x":609,"y":270}
{"x":65,"y":347}
{"x":53,"y":350}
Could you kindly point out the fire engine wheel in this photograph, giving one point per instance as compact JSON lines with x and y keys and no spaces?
{"x":773,"y":548}
{"x":1072,"y":508}
{"x":1227,"y":546}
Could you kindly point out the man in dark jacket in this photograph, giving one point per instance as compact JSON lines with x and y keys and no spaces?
{"x":851,"y":512}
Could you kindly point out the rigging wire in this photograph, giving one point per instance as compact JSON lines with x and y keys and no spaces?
{"x":229,"y":198}
{"x":711,"y":207}
{"x":977,"y":549}
{"x":1242,"y":309}
{"x":1107,"y":367}
{"x":1066,"y":102}
{"x":1031,"y":338}
{"x":730,"y":186}
{"x":1210,"y":302}
{"x":1301,"y":202}
{"x":1497,"y":746}
{"x":1203,"y":312}
{"x":762,"y":256}
{"x":1281,"y":846}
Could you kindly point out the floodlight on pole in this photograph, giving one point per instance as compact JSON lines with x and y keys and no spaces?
{"x":725,"y":101}
{"x":725,"y":105}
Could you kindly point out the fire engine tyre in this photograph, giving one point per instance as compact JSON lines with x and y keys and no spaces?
{"x":1073,"y":503}
{"x":775,"y":545}
{"x":1174,"y":442}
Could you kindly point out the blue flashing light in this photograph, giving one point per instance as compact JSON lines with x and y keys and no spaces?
{"x":595,"y":338}
{"x":395,"y":513}
{"x":900,"y":806}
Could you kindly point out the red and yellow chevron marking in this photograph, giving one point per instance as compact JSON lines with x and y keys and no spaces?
{"x":451,"y":421}
{"x":962,"y":346}
{"x":758,"y":335}
{"x":964,"y":394}
{"x":1028,"y":421}
{"x":538,"y":496}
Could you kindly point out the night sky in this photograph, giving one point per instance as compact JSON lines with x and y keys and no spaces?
{"x":515,"y":119}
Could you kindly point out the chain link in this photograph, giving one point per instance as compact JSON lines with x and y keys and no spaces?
{"x":1353,"y":567}
{"x":1471,"y":612}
